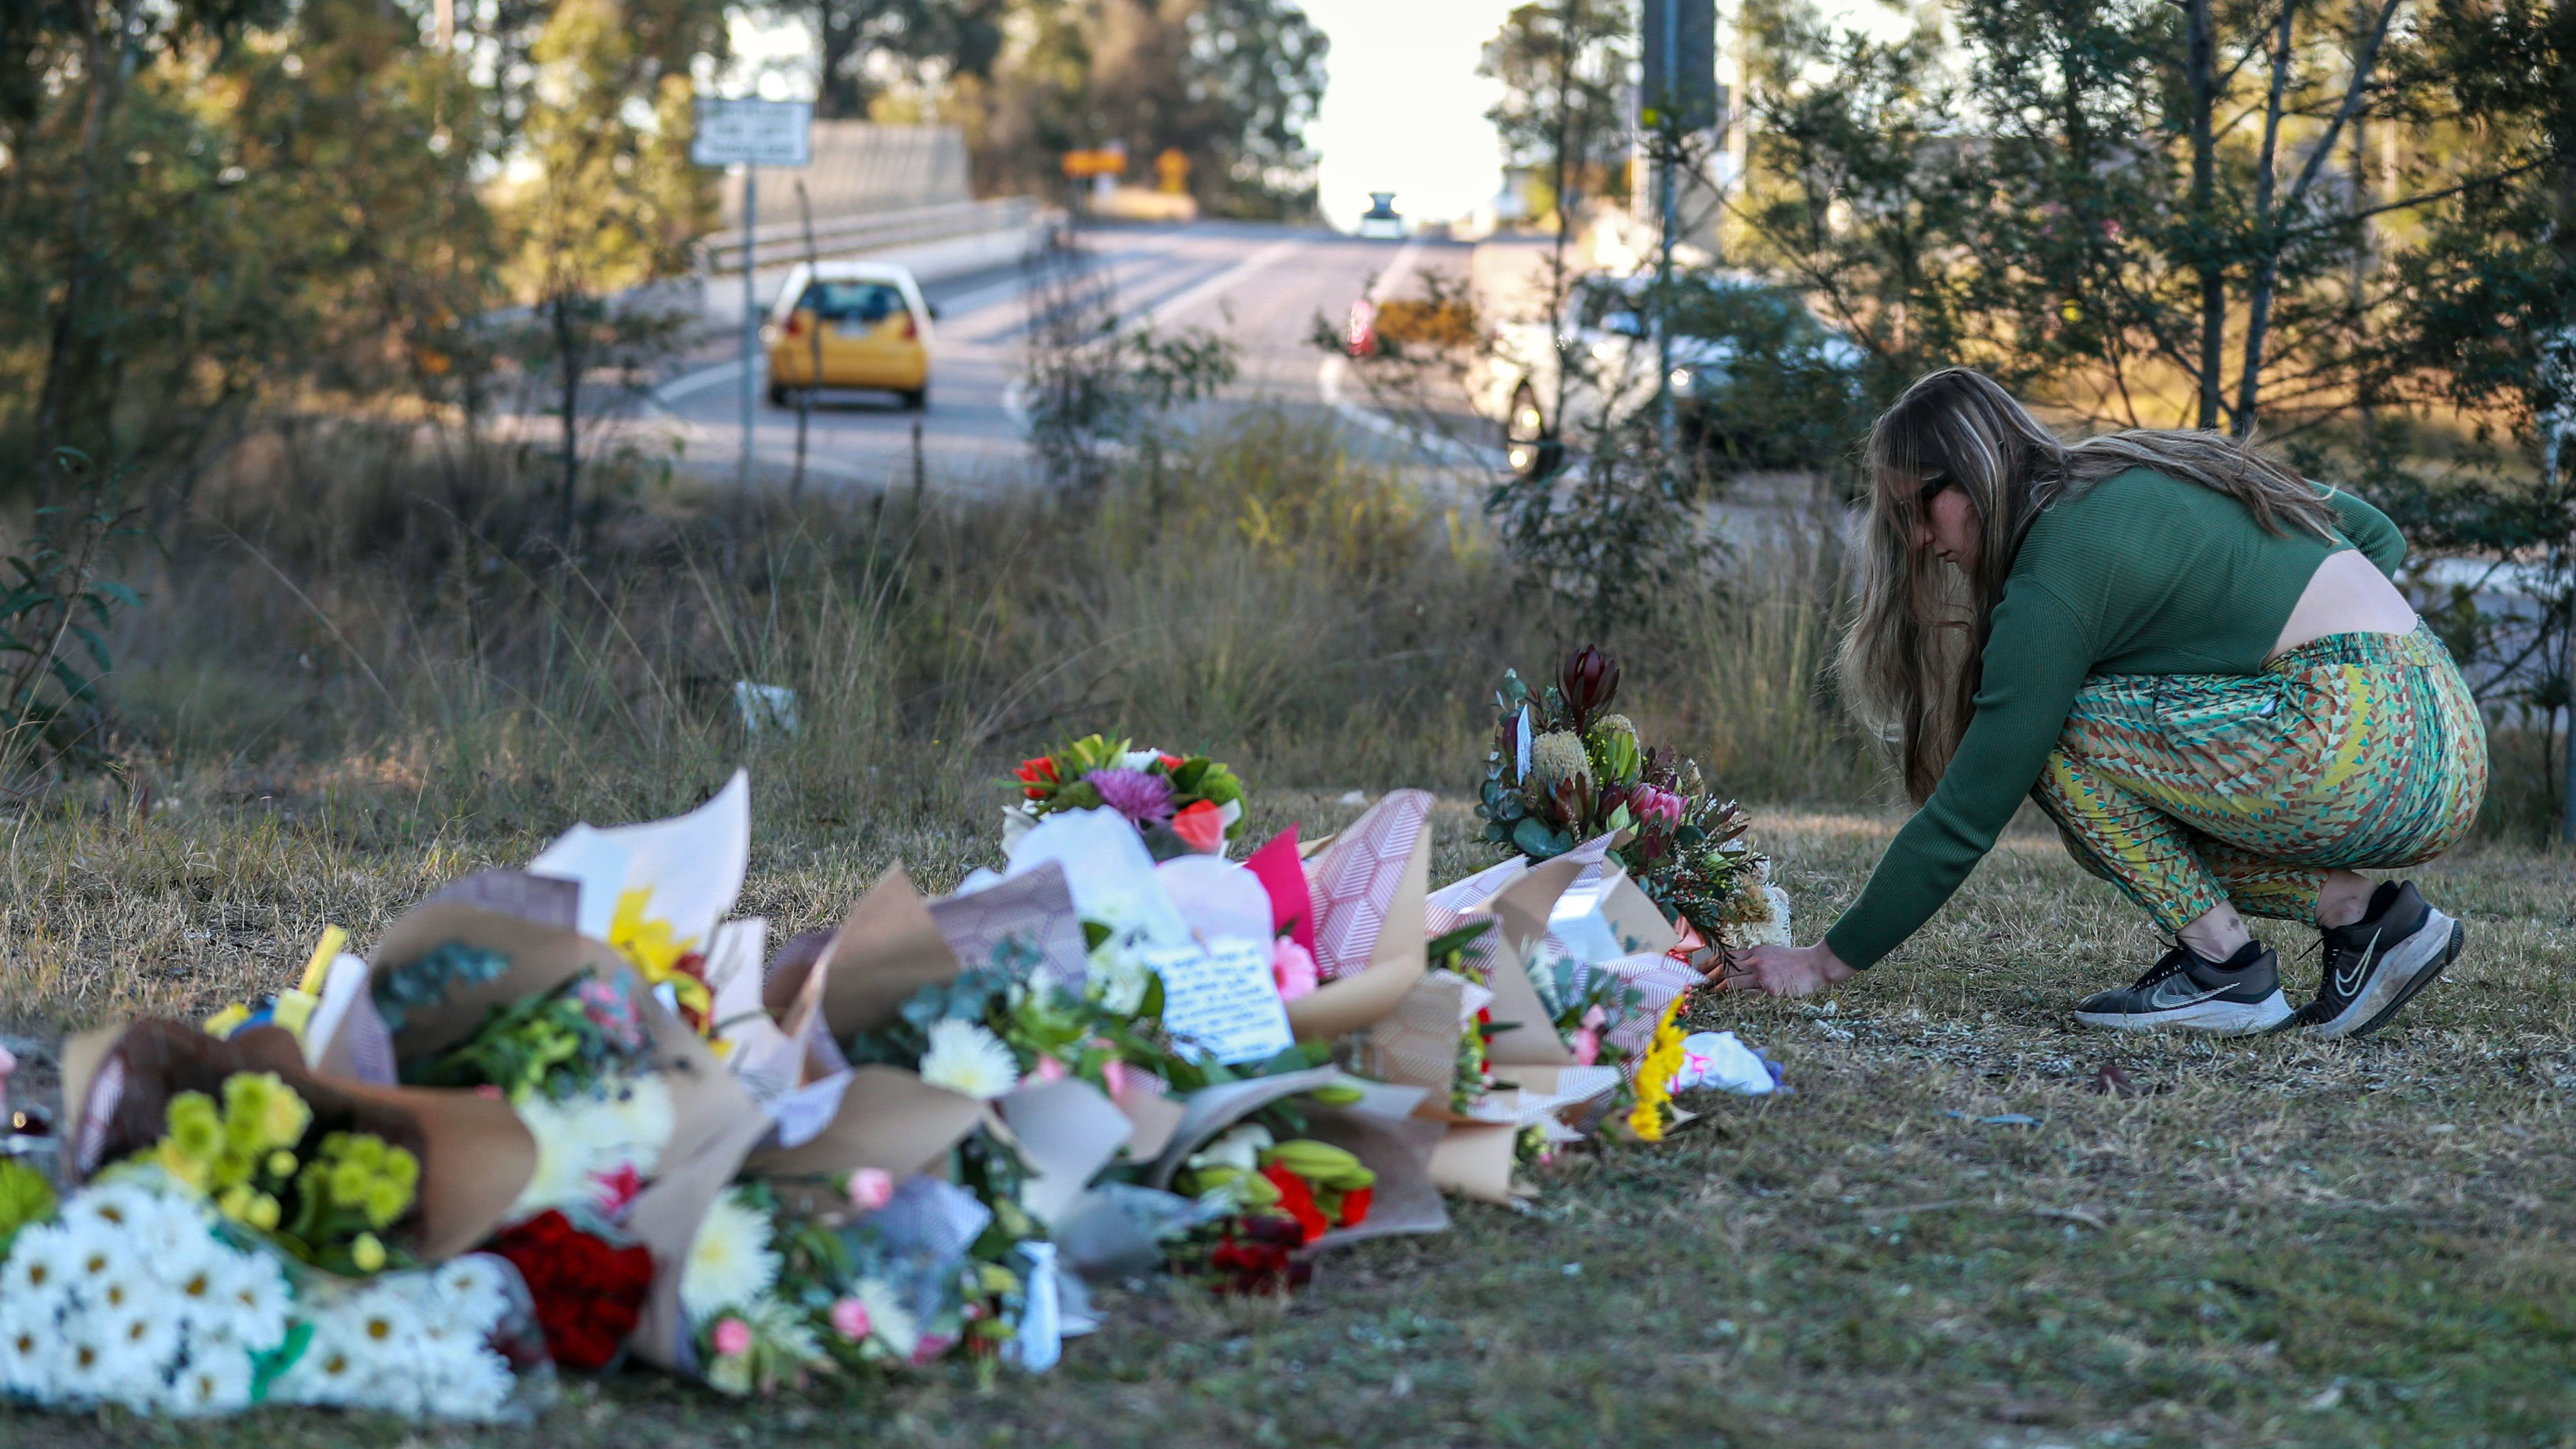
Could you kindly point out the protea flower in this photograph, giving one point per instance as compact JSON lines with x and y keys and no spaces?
{"x":1589,"y":680}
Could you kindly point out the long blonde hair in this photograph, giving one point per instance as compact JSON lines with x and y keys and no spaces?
{"x":1911,"y":659}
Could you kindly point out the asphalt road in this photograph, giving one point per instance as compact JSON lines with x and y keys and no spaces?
{"x":1260,"y":285}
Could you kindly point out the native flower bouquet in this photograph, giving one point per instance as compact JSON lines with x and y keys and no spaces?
{"x":1181,"y":805}
{"x":1565,"y":769}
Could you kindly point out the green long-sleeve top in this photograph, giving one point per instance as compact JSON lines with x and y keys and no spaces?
{"x":2140,"y":574}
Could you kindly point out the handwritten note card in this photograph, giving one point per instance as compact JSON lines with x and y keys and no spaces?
{"x":1221,"y":1000}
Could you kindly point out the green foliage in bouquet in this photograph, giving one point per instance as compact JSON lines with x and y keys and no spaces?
{"x":326,"y":1207}
{"x":1564,"y":769}
{"x":1180,"y":804}
{"x":25,"y":1197}
{"x":557,"y":1043}
{"x":427,"y":981}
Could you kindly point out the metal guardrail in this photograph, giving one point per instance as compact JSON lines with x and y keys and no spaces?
{"x":781,"y":243}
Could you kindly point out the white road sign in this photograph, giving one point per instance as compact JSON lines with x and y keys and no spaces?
{"x":753,"y":133}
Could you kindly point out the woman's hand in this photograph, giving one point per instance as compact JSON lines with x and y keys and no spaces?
{"x":1780,"y":970}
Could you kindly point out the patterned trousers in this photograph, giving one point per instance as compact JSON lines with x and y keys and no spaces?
{"x":2186,"y":790}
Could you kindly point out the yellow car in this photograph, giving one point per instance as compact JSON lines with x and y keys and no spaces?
{"x":872,"y":324}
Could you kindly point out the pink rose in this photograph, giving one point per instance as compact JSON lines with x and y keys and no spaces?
{"x":1113,"y":1074}
{"x":732,"y":1336}
{"x":1201,"y":827}
{"x":1048,"y":1069}
{"x":1586,"y":1045}
{"x":850,"y":1319}
{"x":931,"y":1346}
{"x":871,"y":1188}
{"x":1292,"y":967}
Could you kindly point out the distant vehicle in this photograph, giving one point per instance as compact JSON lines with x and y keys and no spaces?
{"x":1606,"y":336}
{"x":875,"y":329}
{"x":1382,"y":221}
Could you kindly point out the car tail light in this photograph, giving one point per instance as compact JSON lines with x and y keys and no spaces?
{"x":796,"y":324}
{"x":911,"y":328}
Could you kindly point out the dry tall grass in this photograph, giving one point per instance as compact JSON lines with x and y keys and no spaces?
{"x":356,"y":615}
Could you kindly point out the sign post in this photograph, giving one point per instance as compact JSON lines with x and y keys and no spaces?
{"x":752,"y":134}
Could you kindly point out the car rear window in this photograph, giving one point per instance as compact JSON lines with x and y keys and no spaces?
{"x":851,"y":301}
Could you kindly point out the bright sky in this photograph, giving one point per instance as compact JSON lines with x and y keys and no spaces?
{"x":1405,"y":110}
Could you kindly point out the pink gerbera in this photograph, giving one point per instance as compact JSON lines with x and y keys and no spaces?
{"x":1144,"y":798}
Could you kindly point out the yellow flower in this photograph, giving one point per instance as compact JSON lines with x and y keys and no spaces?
{"x":195,"y":1138}
{"x":367,"y":1253}
{"x":262,"y":1112}
{"x":1655,"y":1072}
{"x":652,"y":949}
{"x":281,"y":1163}
{"x":263,"y":1213}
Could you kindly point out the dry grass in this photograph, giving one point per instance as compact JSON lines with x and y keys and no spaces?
{"x":2365,"y":1244}
{"x":2285,"y":1243}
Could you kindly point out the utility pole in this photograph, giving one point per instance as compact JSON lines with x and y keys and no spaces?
{"x":750,"y":309}
{"x":1677,"y":96}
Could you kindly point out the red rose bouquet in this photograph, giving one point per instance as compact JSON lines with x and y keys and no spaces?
{"x":589,"y":1291}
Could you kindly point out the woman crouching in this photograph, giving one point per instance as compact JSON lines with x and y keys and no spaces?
{"x":2194,"y":661}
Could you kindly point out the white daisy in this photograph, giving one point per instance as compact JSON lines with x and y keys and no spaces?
{"x":117,"y":1205}
{"x":88,"y":1369}
{"x":325,"y":1373}
{"x":381,"y":1329}
{"x":29,"y":1346}
{"x":252,"y":1300}
{"x":731,"y":1262}
{"x":96,"y":1255}
{"x":474,"y":1290}
{"x":216,"y":1381}
{"x":968,"y":1060}
{"x":41,"y":1266}
{"x":144,"y":1332}
{"x":472,"y":1384}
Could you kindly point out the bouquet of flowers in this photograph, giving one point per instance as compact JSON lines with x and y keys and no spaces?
{"x":1276,"y":1197}
{"x":1181,"y":805}
{"x":587,"y":1283}
{"x":574,"y":1062}
{"x":748,"y":1338}
{"x":1565,"y":769}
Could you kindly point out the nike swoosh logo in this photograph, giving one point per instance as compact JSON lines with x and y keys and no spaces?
{"x":2163,"y":1000}
{"x":2351,"y":985}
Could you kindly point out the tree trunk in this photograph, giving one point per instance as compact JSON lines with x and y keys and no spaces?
{"x":2267,"y":232}
{"x":106,"y":88}
{"x":2274,"y":239}
{"x":2201,"y":75}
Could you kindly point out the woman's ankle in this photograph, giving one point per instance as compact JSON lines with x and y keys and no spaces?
{"x":2343,"y":897}
{"x":2217,"y":935}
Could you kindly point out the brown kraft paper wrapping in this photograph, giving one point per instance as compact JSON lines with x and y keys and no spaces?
{"x":475,"y":1157}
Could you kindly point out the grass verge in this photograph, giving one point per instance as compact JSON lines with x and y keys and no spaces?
{"x":2363,"y":1243}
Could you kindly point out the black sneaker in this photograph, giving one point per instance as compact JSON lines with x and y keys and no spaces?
{"x":2235,"y":997}
{"x":2375,"y":966}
